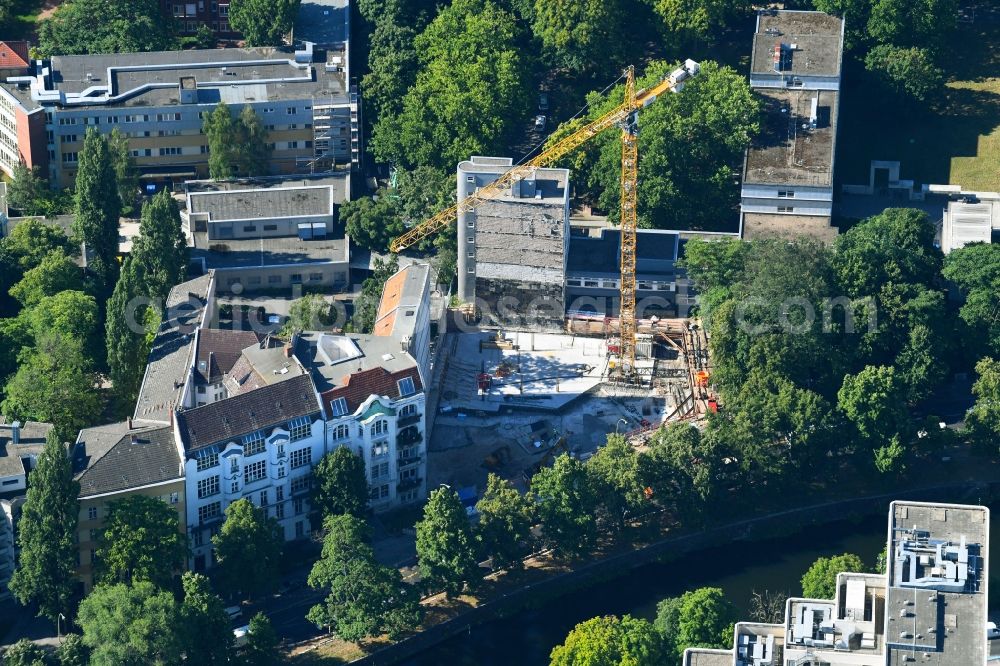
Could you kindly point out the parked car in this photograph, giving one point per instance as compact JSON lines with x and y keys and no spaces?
{"x":539,"y":123}
{"x":241,"y":635}
{"x":234,"y":612}
{"x":992,"y":631}
{"x":543,"y":102}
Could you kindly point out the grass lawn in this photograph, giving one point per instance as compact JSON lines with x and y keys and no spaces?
{"x":24,"y":18}
{"x":955,"y":141}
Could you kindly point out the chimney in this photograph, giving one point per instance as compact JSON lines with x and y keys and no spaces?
{"x":288,"y":350}
{"x":130,"y":423}
{"x":15,"y":432}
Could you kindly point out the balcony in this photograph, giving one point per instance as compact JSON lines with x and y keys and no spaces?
{"x":404,"y":421}
{"x":408,"y":484}
{"x":409,"y":460}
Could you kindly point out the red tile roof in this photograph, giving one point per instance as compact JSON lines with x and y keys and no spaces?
{"x":14,"y":54}
{"x":218,"y":351}
{"x":391,"y":293}
{"x":377,"y":381}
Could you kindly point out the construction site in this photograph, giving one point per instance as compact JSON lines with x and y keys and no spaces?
{"x":562,"y":336}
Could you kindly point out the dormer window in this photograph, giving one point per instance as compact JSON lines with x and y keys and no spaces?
{"x":406,"y":387}
{"x":338,"y":407}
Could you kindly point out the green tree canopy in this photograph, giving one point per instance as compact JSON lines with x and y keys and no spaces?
{"x":46,"y":536}
{"x":366,"y":304}
{"x":126,"y":172}
{"x":617,"y":480}
{"x":126,"y":346}
{"x":54,"y":383}
{"x":690,"y":148}
{"x":72,"y":651}
{"x":340,"y":484}
{"x":71,"y":314}
{"x":141,"y":541}
{"x":446,"y":552}
{"x":582,"y":34}
{"x":699,"y":618}
{"x":263,"y":22}
{"x":874,"y":402}
{"x":131,"y":625}
{"x":609,"y":641}
{"x":983,"y":420}
{"x":262,"y":643}
{"x":161,"y":248}
{"x":98,"y":203}
{"x":103,"y":26}
{"x":459,"y":105}
{"x":204,"y":624}
{"x":925,"y":23}
{"x":55,"y":273}
{"x":975,"y":269}
{"x":26,"y":190}
{"x":31,"y":241}
{"x":25,"y":652}
{"x":505,"y":519}
{"x":906,"y":71}
{"x":248,"y":548}
{"x":682,"y":469}
{"x":820,"y":581}
{"x":566,"y":502}
{"x":220,"y":131}
{"x":364,"y":598}
{"x":253,"y":154}
{"x":698,"y":20}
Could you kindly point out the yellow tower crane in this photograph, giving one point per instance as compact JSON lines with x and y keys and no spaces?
{"x":624,"y":116}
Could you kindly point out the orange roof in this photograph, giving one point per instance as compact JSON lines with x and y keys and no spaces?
{"x":391,"y":293}
{"x":14,"y":54}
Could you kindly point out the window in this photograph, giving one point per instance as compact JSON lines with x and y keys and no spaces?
{"x":785,"y":209}
{"x":785,"y":194}
{"x":407,"y":410}
{"x":209,"y":511}
{"x":408,"y":496}
{"x":290,"y":111}
{"x":300,"y":529}
{"x":378,"y":471}
{"x":299,"y":428}
{"x":590,"y":283}
{"x":173,"y":150}
{"x":234,"y":465}
{"x":338,"y":407}
{"x":380,"y":449}
{"x":255,"y":471}
{"x":207,"y":460}
{"x":380,"y":427}
{"x":69,"y":157}
{"x":279,"y":511}
{"x":315,"y":277}
{"x":472,"y":255}
{"x":341,"y":431}
{"x":296,"y":278}
{"x":470,"y":239}
{"x":270,"y":227}
{"x":92,"y":513}
{"x":67,"y":121}
{"x":253,"y":443}
{"x":301,"y":484}
{"x":471,"y":224}
{"x":174,"y":498}
{"x":249,"y":227}
{"x":279,"y":494}
{"x":281,"y":449}
{"x":408,"y":474}
{"x":234,"y":487}
{"x":299,"y":505}
{"x":274,"y":279}
{"x":380,"y":492}
{"x":293,"y":126}
{"x":208,"y":487}
{"x":199,"y":538}
{"x":301,"y":457}
{"x":406,"y":387}
{"x":69,"y":138}
{"x":263,"y":498}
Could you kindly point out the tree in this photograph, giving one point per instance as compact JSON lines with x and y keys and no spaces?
{"x":204,"y":623}
{"x":614,"y":470}
{"x":32,"y":241}
{"x":130,"y":625}
{"x":609,"y":641}
{"x":697,"y":20}
{"x":220,"y":131}
{"x":309,"y":313}
{"x":699,"y":618}
{"x":98,"y":26}
{"x":906,"y":71}
{"x":505,"y":519}
{"x":71,"y":314}
{"x":161,"y":248}
{"x":54,"y":383}
{"x":98,"y":205}
{"x":446,"y":551}
{"x":248,"y":548}
{"x":392,"y":66}
{"x":459,"y":106}
{"x":253,"y":154}
{"x":566,"y":502}
{"x":580,"y":35}
{"x":25,"y":190}
{"x":983,"y":420}
{"x":126,"y":349}
{"x":975,"y":269}
{"x":263,"y":22}
{"x":372,"y":222}
{"x":141,"y":541}
{"x":126,"y":173}
{"x":364,"y":598}
{"x":366,"y":305}
{"x":927,"y":23}
{"x":682,"y":469}
{"x":690,"y":149}
{"x":72,"y":651}
{"x":46,"y":571}
{"x":340,"y":485}
{"x":873,"y":400}
{"x":24,"y":653}
{"x":820,"y":581}
{"x":262,"y":643}
{"x":56,"y":273}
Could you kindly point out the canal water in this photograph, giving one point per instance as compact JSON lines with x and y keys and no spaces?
{"x":526,"y":639}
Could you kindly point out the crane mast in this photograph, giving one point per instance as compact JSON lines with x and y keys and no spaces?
{"x":625,"y":116}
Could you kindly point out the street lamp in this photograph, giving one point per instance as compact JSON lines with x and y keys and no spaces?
{"x":620,"y":421}
{"x":58,"y":626}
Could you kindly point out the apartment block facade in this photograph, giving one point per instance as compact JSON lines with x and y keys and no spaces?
{"x":160,"y":101}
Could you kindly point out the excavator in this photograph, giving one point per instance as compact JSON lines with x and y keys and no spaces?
{"x":625,"y":117}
